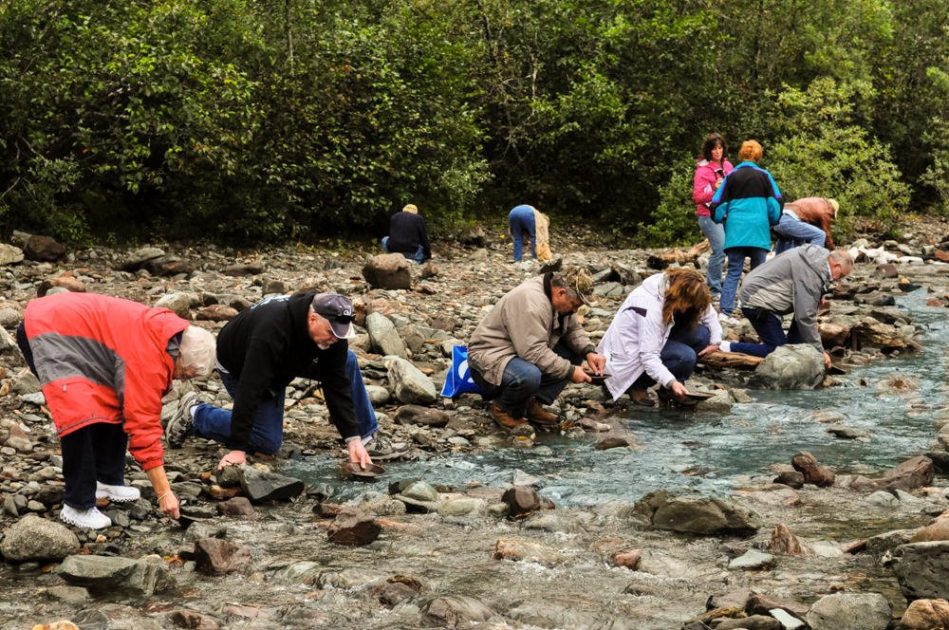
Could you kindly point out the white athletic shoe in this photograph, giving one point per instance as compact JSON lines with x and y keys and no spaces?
{"x":91,"y":518}
{"x":117,"y":494}
{"x":728,"y":320}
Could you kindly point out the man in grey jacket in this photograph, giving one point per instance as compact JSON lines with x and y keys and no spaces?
{"x":531,"y":343}
{"x":793,"y":282}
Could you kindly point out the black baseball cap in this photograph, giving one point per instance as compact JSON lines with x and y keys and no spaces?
{"x":338,"y":309}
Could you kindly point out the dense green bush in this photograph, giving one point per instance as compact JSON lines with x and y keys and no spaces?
{"x":267,"y":120}
{"x":823,"y":153}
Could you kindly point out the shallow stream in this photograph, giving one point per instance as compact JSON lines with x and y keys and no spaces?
{"x":711,"y":452}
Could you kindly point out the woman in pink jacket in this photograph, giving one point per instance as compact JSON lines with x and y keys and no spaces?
{"x":710,"y":169}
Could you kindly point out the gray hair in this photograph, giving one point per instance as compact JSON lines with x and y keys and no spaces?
{"x":198,"y":351}
{"x":843,"y":258}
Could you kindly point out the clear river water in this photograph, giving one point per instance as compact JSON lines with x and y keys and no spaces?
{"x":705,"y":451}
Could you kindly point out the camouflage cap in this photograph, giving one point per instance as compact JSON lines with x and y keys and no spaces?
{"x":579,"y":281}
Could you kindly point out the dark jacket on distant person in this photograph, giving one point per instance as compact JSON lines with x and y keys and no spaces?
{"x":407,"y":233}
{"x":267,"y":346}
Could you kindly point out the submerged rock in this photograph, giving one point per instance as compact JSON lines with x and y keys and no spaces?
{"x":702,"y":516}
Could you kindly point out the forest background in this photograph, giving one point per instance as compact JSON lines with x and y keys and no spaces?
{"x":257,"y":121}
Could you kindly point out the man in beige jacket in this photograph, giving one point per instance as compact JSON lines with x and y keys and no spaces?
{"x":531,"y":343}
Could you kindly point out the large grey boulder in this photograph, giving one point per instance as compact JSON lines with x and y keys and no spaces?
{"x":179,"y":302}
{"x":850,"y":611}
{"x":697,"y":515}
{"x":796,"y":366}
{"x":384,"y":337}
{"x":110,"y":574}
{"x":35,"y":538}
{"x":408,"y":382}
{"x":923,"y":570}
{"x":388,"y":271}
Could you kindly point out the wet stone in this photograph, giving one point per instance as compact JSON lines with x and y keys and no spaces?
{"x":850,"y":611}
{"x":216,"y":557}
{"x":353,"y":530}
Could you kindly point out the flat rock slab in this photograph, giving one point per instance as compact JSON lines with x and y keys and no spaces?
{"x":268,"y":486}
{"x":109,"y":574}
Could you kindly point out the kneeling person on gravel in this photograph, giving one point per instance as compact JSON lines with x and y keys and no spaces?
{"x":104,"y":364}
{"x":259,"y":353}
{"x":530,"y":345}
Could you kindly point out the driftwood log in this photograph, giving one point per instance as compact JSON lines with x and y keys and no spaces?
{"x":738,"y":360}
{"x":663,"y":259}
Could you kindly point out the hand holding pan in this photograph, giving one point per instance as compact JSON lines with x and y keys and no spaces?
{"x":596,"y":379}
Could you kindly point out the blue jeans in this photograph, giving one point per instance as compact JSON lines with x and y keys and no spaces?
{"x":792,"y":232}
{"x":418,"y":256}
{"x":736,"y":262}
{"x":715,"y":233}
{"x":214,"y":423}
{"x":680,"y":354}
{"x":522,"y":381}
{"x":769,"y":329}
{"x":521,"y":222}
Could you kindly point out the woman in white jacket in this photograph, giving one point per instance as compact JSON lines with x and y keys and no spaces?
{"x":657,"y":335}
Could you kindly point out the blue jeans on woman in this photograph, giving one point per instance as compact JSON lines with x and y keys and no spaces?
{"x":680,"y":354}
{"x":792,"y":232}
{"x":736,"y":262}
{"x":770,"y":332}
{"x":715,"y":233}
{"x":521,"y":222}
{"x":266,"y":436}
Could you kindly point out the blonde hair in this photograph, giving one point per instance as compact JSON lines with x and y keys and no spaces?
{"x":686,"y":293}
{"x":410,"y":208}
{"x":198,"y":352}
{"x":750,"y":150}
{"x":836,"y":206}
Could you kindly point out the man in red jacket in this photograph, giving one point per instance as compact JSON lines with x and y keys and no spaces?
{"x":104,"y":364}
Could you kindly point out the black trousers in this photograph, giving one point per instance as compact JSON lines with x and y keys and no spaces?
{"x":92,"y":453}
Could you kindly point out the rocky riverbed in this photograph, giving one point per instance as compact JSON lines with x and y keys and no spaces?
{"x":795,"y":545}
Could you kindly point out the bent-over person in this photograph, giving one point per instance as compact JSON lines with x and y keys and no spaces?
{"x":104,"y":364}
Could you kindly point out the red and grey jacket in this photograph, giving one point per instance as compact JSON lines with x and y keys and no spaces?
{"x":104,"y":359}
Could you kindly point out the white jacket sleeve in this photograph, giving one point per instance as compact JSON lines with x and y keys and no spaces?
{"x":652,"y":337}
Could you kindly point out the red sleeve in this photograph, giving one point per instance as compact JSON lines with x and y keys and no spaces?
{"x":144,"y":386}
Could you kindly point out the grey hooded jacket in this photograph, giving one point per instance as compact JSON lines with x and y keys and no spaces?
{"x":792,"y":282}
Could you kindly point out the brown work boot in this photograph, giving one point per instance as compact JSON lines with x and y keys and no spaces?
{"x":540,"y":416}
{"x":504,"y":419}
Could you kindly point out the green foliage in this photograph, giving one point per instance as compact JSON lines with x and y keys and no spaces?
{"x":822,"y":153}
{"x":266,"y":120}
{"x":674,"y":221}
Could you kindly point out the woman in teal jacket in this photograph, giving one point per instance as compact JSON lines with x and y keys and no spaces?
{"x":748,"y":203}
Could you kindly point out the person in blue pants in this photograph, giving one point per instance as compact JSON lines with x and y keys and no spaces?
{"x":521,"y":222}
{"x":259,"y":353}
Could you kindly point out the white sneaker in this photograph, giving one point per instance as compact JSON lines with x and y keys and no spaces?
{"x":117,"y":494}
{"x":728,"y":320}
{"x":91,"y":518}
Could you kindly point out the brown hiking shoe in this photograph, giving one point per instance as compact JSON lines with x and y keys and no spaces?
{"x":504,"y":419}
{"x":540,"y":416}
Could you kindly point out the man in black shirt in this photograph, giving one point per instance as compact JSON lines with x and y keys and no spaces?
{"x":259,"y":353}
{"x":407,"y":235}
